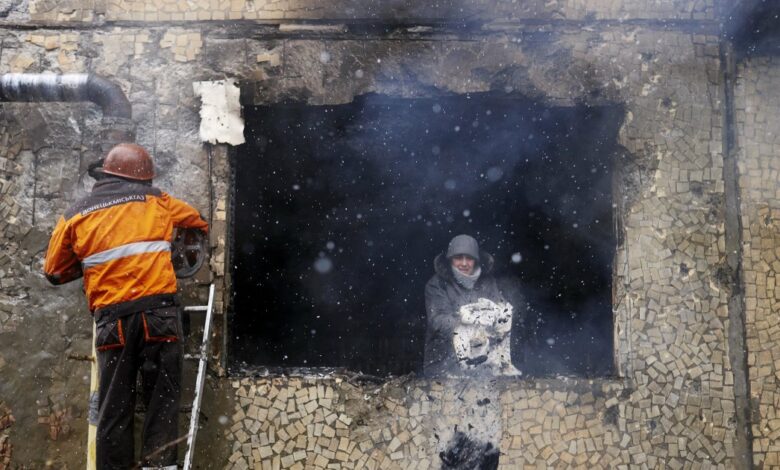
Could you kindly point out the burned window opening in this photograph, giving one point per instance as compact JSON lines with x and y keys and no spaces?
{"x":340,"y":210}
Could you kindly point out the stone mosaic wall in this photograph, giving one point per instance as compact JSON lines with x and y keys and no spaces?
{"x":6,"y":449}
{"x":757,"y":100}
{"x":404,"y":424}
{"x":345,"y":10}
{"x":38,"y":330}
{"x":674,"y":405}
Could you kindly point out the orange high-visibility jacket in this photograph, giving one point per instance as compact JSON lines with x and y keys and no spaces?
{"x":119,"y":239}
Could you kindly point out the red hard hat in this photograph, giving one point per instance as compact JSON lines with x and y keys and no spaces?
{"x":129,"y":161}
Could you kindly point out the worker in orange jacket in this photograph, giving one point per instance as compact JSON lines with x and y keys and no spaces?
{"x":119,"y":239}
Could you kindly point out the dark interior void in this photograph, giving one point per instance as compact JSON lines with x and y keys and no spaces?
{"x":340,"y":210}
{"x":753,"y":26}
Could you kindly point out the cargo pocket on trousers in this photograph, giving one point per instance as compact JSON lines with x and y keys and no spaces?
{"x":109,"y":335}
{"x":161,"y":325}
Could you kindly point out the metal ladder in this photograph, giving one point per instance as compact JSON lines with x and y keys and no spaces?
{"x":202,"y":362}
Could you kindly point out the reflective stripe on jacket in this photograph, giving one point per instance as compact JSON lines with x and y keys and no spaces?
{"x":119,"y":239}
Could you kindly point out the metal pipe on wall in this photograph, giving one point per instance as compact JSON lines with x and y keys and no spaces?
{"x":33,"y":87}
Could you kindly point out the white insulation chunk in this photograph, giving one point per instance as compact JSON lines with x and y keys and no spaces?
{"x":220,"y":112}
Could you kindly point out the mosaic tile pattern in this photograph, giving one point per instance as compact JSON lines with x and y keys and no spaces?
{"x":758,"y":141}
{"x":208,"y":10}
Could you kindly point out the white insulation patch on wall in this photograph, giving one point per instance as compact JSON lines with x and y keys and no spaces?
{"x":220,"y":112}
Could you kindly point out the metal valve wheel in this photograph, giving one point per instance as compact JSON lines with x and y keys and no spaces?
{"x":188,"y":251}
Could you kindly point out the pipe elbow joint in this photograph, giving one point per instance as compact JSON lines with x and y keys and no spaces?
{"x":109,"y":96}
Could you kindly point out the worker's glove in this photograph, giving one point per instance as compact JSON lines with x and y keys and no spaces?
{"x":95,"y":169}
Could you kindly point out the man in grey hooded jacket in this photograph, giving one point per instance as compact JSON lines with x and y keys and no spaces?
{"x":470,"y":314}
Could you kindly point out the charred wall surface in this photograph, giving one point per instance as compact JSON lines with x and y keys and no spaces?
{"x":673,"y":404}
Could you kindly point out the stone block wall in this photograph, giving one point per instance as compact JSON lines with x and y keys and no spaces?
{"x":674,"y":402}
{"x":350,"y":10}
{"x":42,"y":155}
{"x":402,"y":424}
{"x":757,"y":100}
{"x":314,"y":423}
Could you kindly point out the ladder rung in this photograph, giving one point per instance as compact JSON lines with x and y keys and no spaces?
{"x":196,"y":308}
{"x":192,"y":357}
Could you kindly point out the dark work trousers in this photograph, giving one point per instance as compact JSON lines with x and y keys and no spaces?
{"x":147,"y":342}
